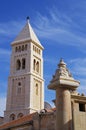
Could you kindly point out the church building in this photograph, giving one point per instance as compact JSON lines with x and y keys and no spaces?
{"x":25,"y":107}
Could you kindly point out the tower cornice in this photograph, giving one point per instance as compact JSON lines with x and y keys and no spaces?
{"x":25,"y":74}
{"x":28,"y":41}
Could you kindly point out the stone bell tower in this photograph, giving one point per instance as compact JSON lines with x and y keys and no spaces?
{"x":63,"y":83}
{"x":25,"y":84}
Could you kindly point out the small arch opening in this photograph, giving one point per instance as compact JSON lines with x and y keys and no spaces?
{"x":26,"y":47}
{"x":18,"y":64}
{"x":37,"y":66}
{"x":34,"y":64}
{"x":19,"y":88}
{"x":39,"y":51}
{"x":19,"y":84}
{"x":33,"y":47}
{"x":36,"y":89}
{"x":22,"y":47}
{"x":16,"y":49}
{"x":12,"y":117}
{"x":20,"y":115}
{"x":19,"y":48}
{"x":23,"y":63}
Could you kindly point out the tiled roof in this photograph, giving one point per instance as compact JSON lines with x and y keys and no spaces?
{"x":17,"y":122}
{"x":22,"y":120}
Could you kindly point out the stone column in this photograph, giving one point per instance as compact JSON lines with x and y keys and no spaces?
{"x":63,"y":83}
{"x":63,"y":111}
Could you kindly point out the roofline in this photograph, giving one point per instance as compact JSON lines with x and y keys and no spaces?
{"x":16,"y":123}
{"x":78,"y":98}
{"x":22,"y":124}
{"x":27,"y":40}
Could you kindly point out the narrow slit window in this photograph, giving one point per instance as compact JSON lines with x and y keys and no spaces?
{"x":23,"y":63}
{"x":34,"y":64}
{"x":26,"y":47}
{"x":19,"y":89}
{"x":22,"y":47}
{"x":18,"y":64}
{"x":36,"y":89}
{"x":37,"y":66}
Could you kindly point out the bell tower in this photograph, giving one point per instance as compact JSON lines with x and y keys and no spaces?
{"x":25,"y":83}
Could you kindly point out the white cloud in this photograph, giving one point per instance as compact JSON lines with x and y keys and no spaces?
{"x":4,"y":52}
{"x":3,"y":85}
{"x":55,"y":26}
{"x":10,"y":28}
{"x":3,"y":88}
{"x":2,"y":105}
{"x":4,"y":57}
{"x":78,"y":66}
{"x":59,"y":28}
{"x":78,"y":69}
{"x":82,"y":87}
{"x":50,"y":60}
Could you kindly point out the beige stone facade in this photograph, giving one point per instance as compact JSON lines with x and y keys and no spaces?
{"x":25,"y":100}
{"x":78,"y":105}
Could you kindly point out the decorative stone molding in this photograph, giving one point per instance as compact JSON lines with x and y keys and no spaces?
{"x":62,"y":72}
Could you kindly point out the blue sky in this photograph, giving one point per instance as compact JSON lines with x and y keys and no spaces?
{"x":61,"y":28}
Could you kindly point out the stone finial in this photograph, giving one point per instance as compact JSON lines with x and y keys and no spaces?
{"x":62,"y":71}
{"x":61,"y":63}
{"x":63,"y":78}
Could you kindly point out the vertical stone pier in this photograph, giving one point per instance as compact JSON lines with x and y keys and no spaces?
{"x":63,"y":83}
{"x":63,"y":104}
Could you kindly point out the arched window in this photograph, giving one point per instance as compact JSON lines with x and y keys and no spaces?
{"x":34,"y":64}
{"x":19,"y":48}
{"x":26,"y":47}
{"x":19,"y":88}
{"x":23,"y":63}
{"x":19,"y":84}
{"x":16,"y":49}
{"x":37,"y":66}
{"x":39,"y":51}
{"x":22,"y":47}
{"x":20,"y":115}
{"x":33,"y":47}
{"x":12,"y":117}
{"x":18,"y":64}
{"x":36,"y":89}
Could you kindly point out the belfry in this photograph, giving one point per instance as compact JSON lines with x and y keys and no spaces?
{"x":26,"y":84}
